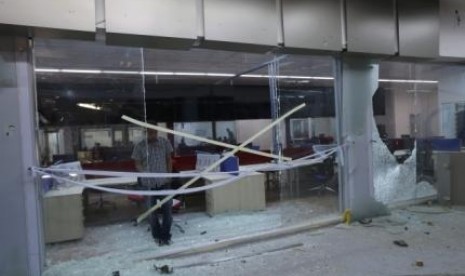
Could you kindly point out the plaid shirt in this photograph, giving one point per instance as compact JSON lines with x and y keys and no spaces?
{"x":153,"y":157}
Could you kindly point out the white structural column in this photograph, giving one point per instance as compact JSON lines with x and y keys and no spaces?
{"x":359,"y":81}
{"x":20,"y":234}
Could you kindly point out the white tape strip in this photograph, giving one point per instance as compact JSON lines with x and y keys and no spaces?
{"x":305,"y":161}
{"x":125,"y":174}
{"x":154,"y":193}
{"x":265,"y":167}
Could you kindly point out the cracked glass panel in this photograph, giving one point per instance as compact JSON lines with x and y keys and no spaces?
{"x":394,"y":181}
{"x":405,"y":109}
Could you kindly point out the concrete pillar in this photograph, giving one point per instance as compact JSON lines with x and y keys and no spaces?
{"x":21,"y":248}
{"x":358,"y":82}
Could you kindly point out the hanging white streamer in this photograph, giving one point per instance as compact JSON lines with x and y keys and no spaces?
{"x":152,"y":193}
{"x":304,"y":161}
{"x":265,"y":167}
{"x":128,"y":174}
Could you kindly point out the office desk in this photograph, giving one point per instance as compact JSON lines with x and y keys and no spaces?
{"x":450,"y":176}
{"x":290,"y":176}
{"x":63,"y":209}
{"x":247,"y":194}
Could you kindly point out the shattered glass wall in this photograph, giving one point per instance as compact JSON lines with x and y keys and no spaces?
{"x":404,"y":122}
{"x":393,"y":181}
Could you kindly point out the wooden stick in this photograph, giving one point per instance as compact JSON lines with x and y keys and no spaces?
{"x":201,"y":139}
{"x":244,"y":256}
{"x":245,"y":239}
{"x":226,"y":156}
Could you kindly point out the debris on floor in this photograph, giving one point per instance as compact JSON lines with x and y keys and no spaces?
{"x":164,"y":269}
{"x":365,"y":221}
{"x":400,"y":243}
{"x":180,"y":228}
{"x":428,"y":209}
{"x":431,"y":249}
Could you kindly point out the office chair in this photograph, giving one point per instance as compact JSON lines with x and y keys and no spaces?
{"x":324,"y":175}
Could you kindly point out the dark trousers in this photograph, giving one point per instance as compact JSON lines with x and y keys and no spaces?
{"x":160,"y":230}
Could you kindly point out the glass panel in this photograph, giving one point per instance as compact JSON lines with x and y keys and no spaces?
{"x":206,"y":93}
{"x":407,"y":119}
{"x":84,"y":88}
{"x":309,"y":192}
{"x":447,"y":153}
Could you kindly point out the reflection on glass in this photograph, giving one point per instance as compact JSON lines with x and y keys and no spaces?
{"x":309,"y":192}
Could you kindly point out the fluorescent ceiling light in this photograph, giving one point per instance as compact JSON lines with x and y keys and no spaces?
{"x":157,"y":73}
{"x":119,"y":72}
{"x":287,"y":77}
{"x":81,"y":71}
{"x":408,"y":81}
{"x":219,"y":74}
{"x":47,"y":70}
{"x":89,"y":106}
{"x":306,"y":77}
{"x":209,"y":74}
{"x":253,"y":76}
{"x":189,"y":74}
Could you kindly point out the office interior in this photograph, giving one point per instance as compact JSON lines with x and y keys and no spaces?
{"x":393,"y":111}
{"x":80,"y":121}
{"x":83,"y":89}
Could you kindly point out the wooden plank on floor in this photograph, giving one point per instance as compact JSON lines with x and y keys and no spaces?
{"x":212,"y":246}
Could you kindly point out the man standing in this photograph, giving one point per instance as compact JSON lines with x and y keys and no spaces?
{"x":154,"y":155}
